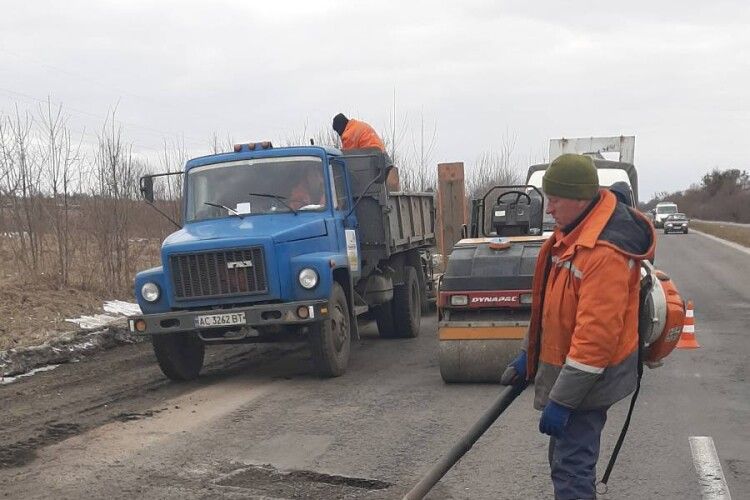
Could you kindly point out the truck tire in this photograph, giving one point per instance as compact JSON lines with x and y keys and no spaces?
{"x":423,"y":276}
{"x":330,"y":339}
{"x":407,"y":305}
{"x":180,"y":355}
{"x":384,"y":318}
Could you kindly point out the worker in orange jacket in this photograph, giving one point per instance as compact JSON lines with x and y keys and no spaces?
{"x":309,"y":191}
{"x":357,"y":134}
{"x":582,"y":345}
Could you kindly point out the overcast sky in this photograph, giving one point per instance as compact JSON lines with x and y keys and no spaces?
{"x":676,"y":74}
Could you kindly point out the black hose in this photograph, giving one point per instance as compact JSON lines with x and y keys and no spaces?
{"x":448,"y":460}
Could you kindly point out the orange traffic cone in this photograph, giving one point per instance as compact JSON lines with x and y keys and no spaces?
{"x":687,"y":337}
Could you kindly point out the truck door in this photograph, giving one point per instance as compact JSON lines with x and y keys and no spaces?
{"x":346,"y":222}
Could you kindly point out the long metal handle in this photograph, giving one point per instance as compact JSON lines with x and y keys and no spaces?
{"x":448,"y":460}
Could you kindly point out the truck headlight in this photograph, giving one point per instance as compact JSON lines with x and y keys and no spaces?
{"x":150,"y":292}
{"x":308,"y":278}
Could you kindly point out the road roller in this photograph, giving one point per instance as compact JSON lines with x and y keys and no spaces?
{"x":484,"y":296}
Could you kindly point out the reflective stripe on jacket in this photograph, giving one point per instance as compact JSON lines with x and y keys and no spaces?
{"x":360,"y":135}
{"x":583,"y":337}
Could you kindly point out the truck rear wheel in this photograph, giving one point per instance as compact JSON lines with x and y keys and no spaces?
{"x":180,"y":355}
{"x":407,"y":305}
{"x":330,"y":339}
{"x":401,"y":316}
{"x":384,"y":318}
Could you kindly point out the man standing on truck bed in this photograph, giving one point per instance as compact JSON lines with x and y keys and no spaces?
{"x":356,"y":134}
{"x":582,"y":344}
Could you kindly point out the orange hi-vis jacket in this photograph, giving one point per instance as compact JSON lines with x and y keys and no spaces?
{"x":582,"y":343}
{"x":360,"y":135}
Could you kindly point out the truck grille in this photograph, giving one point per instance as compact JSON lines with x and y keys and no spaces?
{"x":219,"y":274}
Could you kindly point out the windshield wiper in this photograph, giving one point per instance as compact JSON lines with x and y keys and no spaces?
{"x":219,"y":205}
{"x":275,"y":197}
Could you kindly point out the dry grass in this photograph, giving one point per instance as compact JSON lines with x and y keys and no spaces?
{"x":736,"y":234}
{"x":34,"y":305}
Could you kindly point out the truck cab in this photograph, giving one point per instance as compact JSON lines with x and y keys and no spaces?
{"x":270,"y":249}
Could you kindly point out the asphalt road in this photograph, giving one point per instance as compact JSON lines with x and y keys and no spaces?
{"x":111,"y":426}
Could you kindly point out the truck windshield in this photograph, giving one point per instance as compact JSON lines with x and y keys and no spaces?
{"x":257,"y":186}
{"x":666,"y":209}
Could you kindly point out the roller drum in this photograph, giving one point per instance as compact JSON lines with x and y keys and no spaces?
{"x":476,"y":360}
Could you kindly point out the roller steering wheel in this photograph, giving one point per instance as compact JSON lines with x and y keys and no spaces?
{"x":519,"y":195}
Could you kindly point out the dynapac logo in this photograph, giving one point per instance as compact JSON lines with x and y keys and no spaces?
{"x":238,"y":264}
{"x":495,"y":299}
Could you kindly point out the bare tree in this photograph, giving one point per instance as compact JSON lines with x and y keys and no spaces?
{"x":59,"y":156}
{"x":21,"y":188}
{"x":115,"y":193}
{"x":173,"y":159}
{"x":323,"y":136}
{"x":494,"y":167}
{"x":424,"y":175}
{"x":393,"y":138}
{"x":218,"y":145}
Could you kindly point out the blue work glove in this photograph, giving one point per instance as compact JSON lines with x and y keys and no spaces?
{"x":515,"y":373}
{"x":554,"y":418}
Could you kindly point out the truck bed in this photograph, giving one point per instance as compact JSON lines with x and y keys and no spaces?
{"x":389,"y":222}
{"x":410,"y":220}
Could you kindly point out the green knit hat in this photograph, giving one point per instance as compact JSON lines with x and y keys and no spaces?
{"x":571,"y":176}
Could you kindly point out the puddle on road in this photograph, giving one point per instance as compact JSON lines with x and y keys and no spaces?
{"x":299,"y":484}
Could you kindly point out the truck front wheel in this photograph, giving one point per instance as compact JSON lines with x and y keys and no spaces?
{"x":330,"y":339}
{"x":180,"y":355}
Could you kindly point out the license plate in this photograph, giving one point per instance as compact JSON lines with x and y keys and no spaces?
{"x":217,"y":320}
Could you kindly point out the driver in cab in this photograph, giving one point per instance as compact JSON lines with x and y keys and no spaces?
{"x":309,"y":190}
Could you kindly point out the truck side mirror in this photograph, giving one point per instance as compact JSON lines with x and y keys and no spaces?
{"x":147,"y":188}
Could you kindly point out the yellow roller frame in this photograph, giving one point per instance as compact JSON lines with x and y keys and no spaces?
{"x":482,"y":332}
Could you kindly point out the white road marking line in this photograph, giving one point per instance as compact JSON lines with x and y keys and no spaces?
{"x":707,"y":465}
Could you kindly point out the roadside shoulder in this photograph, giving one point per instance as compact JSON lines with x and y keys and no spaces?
{"x":728,"y":243}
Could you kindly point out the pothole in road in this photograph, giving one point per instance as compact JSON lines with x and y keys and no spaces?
{"x":130,"y":416}
{"x":24,"y":452}
{"x":299,"y":484}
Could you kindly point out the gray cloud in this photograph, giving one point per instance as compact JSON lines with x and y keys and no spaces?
{"x":672,"y":73}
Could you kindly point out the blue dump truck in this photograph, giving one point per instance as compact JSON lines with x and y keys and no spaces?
{"x":285,"y":244}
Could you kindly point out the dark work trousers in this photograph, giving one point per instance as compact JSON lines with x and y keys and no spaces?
{"x":572,"y":457}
